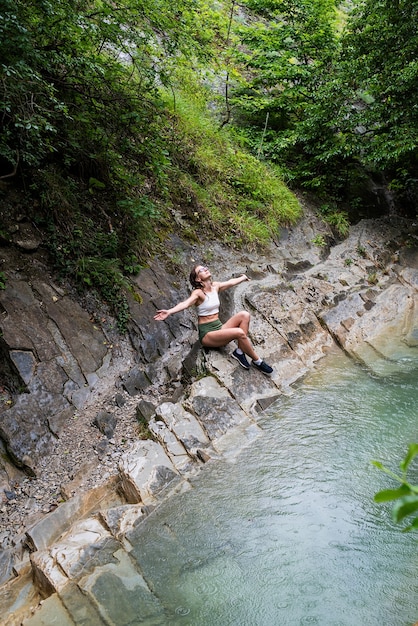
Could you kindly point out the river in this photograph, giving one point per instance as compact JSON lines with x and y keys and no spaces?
{"x":287,"y":533}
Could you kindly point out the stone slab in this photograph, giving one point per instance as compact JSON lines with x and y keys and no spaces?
{"x":171,"y":444}
{"x":51,"y":613}
{"x":45,"y":532}
{"x":81,"y":609}
{"x":185,"y":426}
{"x":121,"y":594}
{"x":145,"y":472}
{"x":17,"y":597}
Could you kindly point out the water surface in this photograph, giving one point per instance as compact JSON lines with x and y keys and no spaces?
{"x":288,"y":534}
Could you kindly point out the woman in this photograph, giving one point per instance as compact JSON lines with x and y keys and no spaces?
{"x":212,"y":333}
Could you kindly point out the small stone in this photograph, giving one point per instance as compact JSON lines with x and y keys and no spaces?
{"x":120,"y":401}
{"x":106,"y":423}
{"x":203,"y":456}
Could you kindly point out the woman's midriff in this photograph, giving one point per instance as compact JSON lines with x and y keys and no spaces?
{"x":204,"y":319}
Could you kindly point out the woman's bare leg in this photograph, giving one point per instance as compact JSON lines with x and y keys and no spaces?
{"x":239,"y":320}
{"x":235,"y":328}
{"x":242,"y":319}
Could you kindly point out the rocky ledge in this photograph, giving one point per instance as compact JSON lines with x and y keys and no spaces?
{"x":97,"y":428}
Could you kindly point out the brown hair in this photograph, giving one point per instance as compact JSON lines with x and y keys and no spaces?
{"x":194,"y":281}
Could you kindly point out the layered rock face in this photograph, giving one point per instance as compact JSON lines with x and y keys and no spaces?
{"x":80,"y":399}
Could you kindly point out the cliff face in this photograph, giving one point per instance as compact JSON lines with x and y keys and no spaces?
{"x":76,"y":398}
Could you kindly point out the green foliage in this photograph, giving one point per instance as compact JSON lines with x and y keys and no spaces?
{"x":105,"y":120}
{"x":364,"y":119}
{"x":372,"y":278}
{"x":143,"y":430}
{"x":104,"y":275}
{"x":85,"y":96}
{"x":223,"y":189}
{"x":406,"y":496}
{"x":319,"y":241}
{"x":139,"y":208}
{"x":380,"y":64}
{"x":82,"y":125}
{"x":64,"y":86}
{"x":91,"y":252}
{"x":2,"y":281}
{"x":361,"y":251}
{"x":338,"y":220}
{"x":328,"y":90}
{"x":286,"y":49}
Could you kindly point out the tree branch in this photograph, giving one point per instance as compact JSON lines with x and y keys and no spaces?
{"x":14,"y":170}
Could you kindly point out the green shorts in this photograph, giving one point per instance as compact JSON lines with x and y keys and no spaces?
{"x":208,"y":327}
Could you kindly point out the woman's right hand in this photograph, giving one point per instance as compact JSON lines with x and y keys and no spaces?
{"x":162,"y":314}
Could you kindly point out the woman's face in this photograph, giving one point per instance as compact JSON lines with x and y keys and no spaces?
{"x":202,"y":273}
{"x":199,"y":274}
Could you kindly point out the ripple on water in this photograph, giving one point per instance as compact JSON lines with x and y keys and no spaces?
{"x":182,"y":610}
{"x":209,"y":587}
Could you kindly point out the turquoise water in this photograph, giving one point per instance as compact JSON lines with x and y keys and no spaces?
{"x":288,"y":534}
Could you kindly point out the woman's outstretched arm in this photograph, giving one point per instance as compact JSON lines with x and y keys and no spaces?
{"x":162,"y":314}
{"x":232,"y":282}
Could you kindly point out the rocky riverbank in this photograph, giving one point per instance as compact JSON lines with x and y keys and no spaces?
{"x":76,"y":398}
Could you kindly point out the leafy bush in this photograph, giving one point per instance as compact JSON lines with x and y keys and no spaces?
{"x":406,"y":496}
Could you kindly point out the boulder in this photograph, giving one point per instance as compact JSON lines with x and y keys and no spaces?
{"x":145,"y":472}
{"x":214,"y":407}
{"x":184,"y":425}
{"x":385,"y":338}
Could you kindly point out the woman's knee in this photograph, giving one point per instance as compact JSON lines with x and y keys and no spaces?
{"x":242,"y":316}
{"x":241,"y":334}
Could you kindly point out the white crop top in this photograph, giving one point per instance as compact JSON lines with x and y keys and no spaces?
{"x":210,"y":305}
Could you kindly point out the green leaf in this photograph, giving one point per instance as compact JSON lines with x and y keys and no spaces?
{"x":406,"y":506}
{"x":378,"y":464}
{"x":391,"y":494}
{"x":412,"y":526}
{"x":410,"y":455}
{"x":96,"y":184}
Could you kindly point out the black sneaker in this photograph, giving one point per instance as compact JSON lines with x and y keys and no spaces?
{"x":241,"y":359}
{"x":263,"y":367}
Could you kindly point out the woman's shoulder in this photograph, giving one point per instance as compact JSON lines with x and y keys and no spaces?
{"x":198,"y":294}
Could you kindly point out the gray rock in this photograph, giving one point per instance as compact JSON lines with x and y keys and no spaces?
{"x":145,"y":410}
{"x":25,"y":363}
{"x":215,"y":409}
{"x":145,"y":472}
{"x":56,"y":360}
{"x":45,"y":532}
{"x":6,"y":565}
{"x":106,"y":423}
{"x":121,"y":593}
{"x":27,"y":237}
{"x":121,"y":520}
{"x":53,"y":612}
{"x":184,"y":425}
{"x":120,"y":401}
{"x":82,"y":610}
{"x":135,"y":381}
